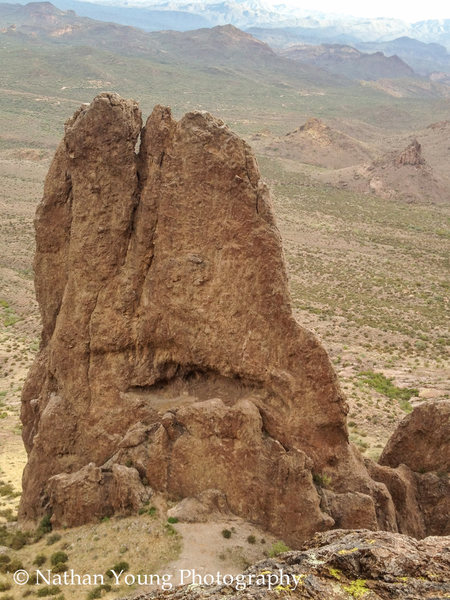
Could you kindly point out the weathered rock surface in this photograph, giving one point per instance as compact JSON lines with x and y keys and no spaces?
{"x":340,"y":565}
{"x":414,"y":466}
{"x":411,"y":155}
{"x":316,"y":143}
{"x":95,"y":491}
{"x":170,"y":358}
{"x":208,"y":505}
{"x":422,"y":440}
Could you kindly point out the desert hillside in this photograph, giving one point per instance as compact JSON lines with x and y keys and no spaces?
{"x":312,"y":200}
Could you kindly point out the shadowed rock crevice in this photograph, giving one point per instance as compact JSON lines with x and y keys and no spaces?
{"x":168,"y":339}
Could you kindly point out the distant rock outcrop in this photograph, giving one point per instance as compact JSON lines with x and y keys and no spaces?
{"x":317,"y":143}
{"x":411,"y":155}
{"x":404,"y":175}
{"x":170,"y":359}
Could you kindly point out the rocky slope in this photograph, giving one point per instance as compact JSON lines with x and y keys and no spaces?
{"x":404,"y":175}
{"x":170,"y":359}
{"x":316,"y":143}
{"x":339,"y":565}
{"x":348,"y":61}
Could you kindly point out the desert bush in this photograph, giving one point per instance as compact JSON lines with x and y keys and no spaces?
{"x":322,"y":480}
{"x":59,"y":557}
{"x":52,"y":539}
{"x":226,"y":533}
{"x":251,"y":539}
{"x":44,"y":527}
{"x":384,"y":386}
{"x":39,"y":560}
{"x":11,"y":566}
{"x":278,"y":548}
{"x":51,"y":590}
{"x":97,"y":592}
{"x":117,"y":568}
{"x":4,"y":558}
{"x":4,"y":586}
{"x":18,"y":540}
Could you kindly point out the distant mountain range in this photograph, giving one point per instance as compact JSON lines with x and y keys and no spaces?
{"x":424,"y":58}
{"x":312,"y":26}
{"x":371,"y":61}
{"x":348,"y":61}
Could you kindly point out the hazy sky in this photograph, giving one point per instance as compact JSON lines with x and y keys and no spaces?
{"x":407,"y":10}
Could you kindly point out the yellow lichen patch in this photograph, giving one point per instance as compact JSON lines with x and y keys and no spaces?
{"x":336,"y":573}
{"x":283,"y":588}
{"x":344,"y":551}
{"x":357,"y":588}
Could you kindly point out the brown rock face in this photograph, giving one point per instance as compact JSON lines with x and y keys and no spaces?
{"x":170,"y":359}
{"x":411,"y":155}
{"x":416,"y":463}
{"x":422,"y":439}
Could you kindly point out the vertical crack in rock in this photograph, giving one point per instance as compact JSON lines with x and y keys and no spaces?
{"x":169,"y":341}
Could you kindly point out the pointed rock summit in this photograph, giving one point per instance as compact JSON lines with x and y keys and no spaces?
{"x":170,"y":360}
{"x":317,"y":143}
{"x":411,"y":155}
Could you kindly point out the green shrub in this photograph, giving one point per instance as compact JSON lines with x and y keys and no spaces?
{"x":322,"y":480}
{"x":44,"y":527}
{"x":172,"y":520}
{"x":60,"y":567}
{"x":48,"y":591}
{"x":117,"y":568}
{"x":8,"y":514}
{"x":6,"y":489}
{"x":384,"y":386}
{"x":4,"y":586}
{"x":152,"y":511}
{"x":12,"y":566}
{"x":39,"y":560}
{"x":52,"y":539}
{"x":97,"y":592}
{"x":18,"y":540}
{"x":251,"y":539}
{"x":226,"y":533}
{"x":59,"y":557}
{"x":278,"y":548}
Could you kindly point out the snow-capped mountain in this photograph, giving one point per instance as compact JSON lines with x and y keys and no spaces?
{"x":269,"y":14}
{"x":278,"y":23}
